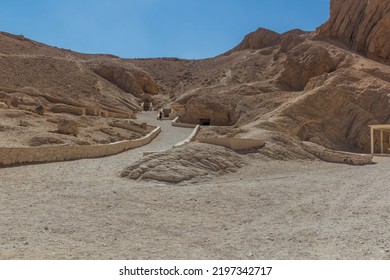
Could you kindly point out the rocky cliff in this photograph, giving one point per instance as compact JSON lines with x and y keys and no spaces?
{"x":364,"y":25}
{"x":259,"y":39}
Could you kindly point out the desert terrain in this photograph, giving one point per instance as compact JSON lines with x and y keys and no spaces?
{"x":306,"y":98}
{"x":268,"y":210}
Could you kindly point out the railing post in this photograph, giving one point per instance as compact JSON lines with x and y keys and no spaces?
{"x":381,"y":141}
{"x":372,"y":140}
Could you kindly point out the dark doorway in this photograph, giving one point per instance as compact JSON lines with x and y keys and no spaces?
{"x":166,"y":112}
{"x":146,"y":106}
{"x":204,"y":121}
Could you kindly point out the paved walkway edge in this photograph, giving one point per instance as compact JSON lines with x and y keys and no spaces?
{"x":190,"y":138}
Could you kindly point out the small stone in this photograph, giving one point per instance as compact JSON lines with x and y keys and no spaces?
{"x":134,"y":175}
{"x":40,"y":110}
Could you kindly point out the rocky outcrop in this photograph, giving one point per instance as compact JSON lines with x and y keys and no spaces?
{"x":261,"y":38}
{"x":305,"y":62}
{"x":291,"y":39}
{"x":5,"y":98}
{"x":336,"y":115}
{"x":205,"y":111}
{"x":190,"y":161}
{"x":134,"y":82}
{"x":68,"y":127}
{"x":364,"y":25}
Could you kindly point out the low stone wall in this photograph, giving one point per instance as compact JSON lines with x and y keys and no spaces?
{"x":337,"y":156}
{"x":61,"y":108}
{"x":233,"y":143}
{"x":116,"y":115}
{"x":13,"y":156}
{"x":190,"y":138}
{"x":175,"y":122}
{"x":129,"y":126}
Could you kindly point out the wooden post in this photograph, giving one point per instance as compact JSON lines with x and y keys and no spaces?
{"x":381,"y":141}
{"x":372,"y":141}
{"x":388,"y":147}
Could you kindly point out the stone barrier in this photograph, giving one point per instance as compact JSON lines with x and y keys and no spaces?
{"x":233,"y":143}
{"x":190,"y":138}
{"x":337,"y":156}
{"x":14,"y":156}
{"x":175,"y":122}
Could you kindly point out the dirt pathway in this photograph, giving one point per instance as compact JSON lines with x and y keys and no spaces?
{"x":33,"y":195}
{"x":268,"y":210}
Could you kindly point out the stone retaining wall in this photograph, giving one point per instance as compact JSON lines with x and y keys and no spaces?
{"x":14,"y":156}
{"x":337,"y":156}
{"x":233,"y":143}
{"x":175,"y":122}
{"x":190,"y":138}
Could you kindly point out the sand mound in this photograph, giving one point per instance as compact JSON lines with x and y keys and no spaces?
{"x":194,"y":160}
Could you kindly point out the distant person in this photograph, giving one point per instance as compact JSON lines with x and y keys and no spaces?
{"x":160,"y":115}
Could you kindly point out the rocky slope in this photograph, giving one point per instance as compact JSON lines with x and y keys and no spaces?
{"x":40,"y":84}
{"x":45,"y":73}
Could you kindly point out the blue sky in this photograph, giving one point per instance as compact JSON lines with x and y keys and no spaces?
{"x":155,"y":28}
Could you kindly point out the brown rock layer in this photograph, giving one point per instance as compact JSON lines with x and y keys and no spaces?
{"x":259,"y":39}
{"x":134,"y":82}
{"x":364,"y":25}
{"x":304,"y":62}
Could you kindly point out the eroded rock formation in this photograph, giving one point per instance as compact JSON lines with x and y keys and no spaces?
{"x":364,"y":25}
{"x":68,"y":127}
{"x":259,"y":39}
{"x":195,"y":160}
{"x":304,"y":62}
{"x":131,"y":81}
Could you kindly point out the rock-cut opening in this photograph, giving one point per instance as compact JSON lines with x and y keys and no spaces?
{"x":204,"y":121}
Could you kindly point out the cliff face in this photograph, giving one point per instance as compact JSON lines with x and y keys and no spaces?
{"x":364,"y":25}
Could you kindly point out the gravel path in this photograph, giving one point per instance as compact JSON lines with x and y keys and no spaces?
{"x":33,"y":197}
{"x":268,"y":210}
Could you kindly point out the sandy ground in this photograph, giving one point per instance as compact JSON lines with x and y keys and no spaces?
{"x":268,"y":210}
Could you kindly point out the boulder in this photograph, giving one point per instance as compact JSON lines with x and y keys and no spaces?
{"x":40,"y":110}
{"x":3,"y":105}
{"x":68,"y":127}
